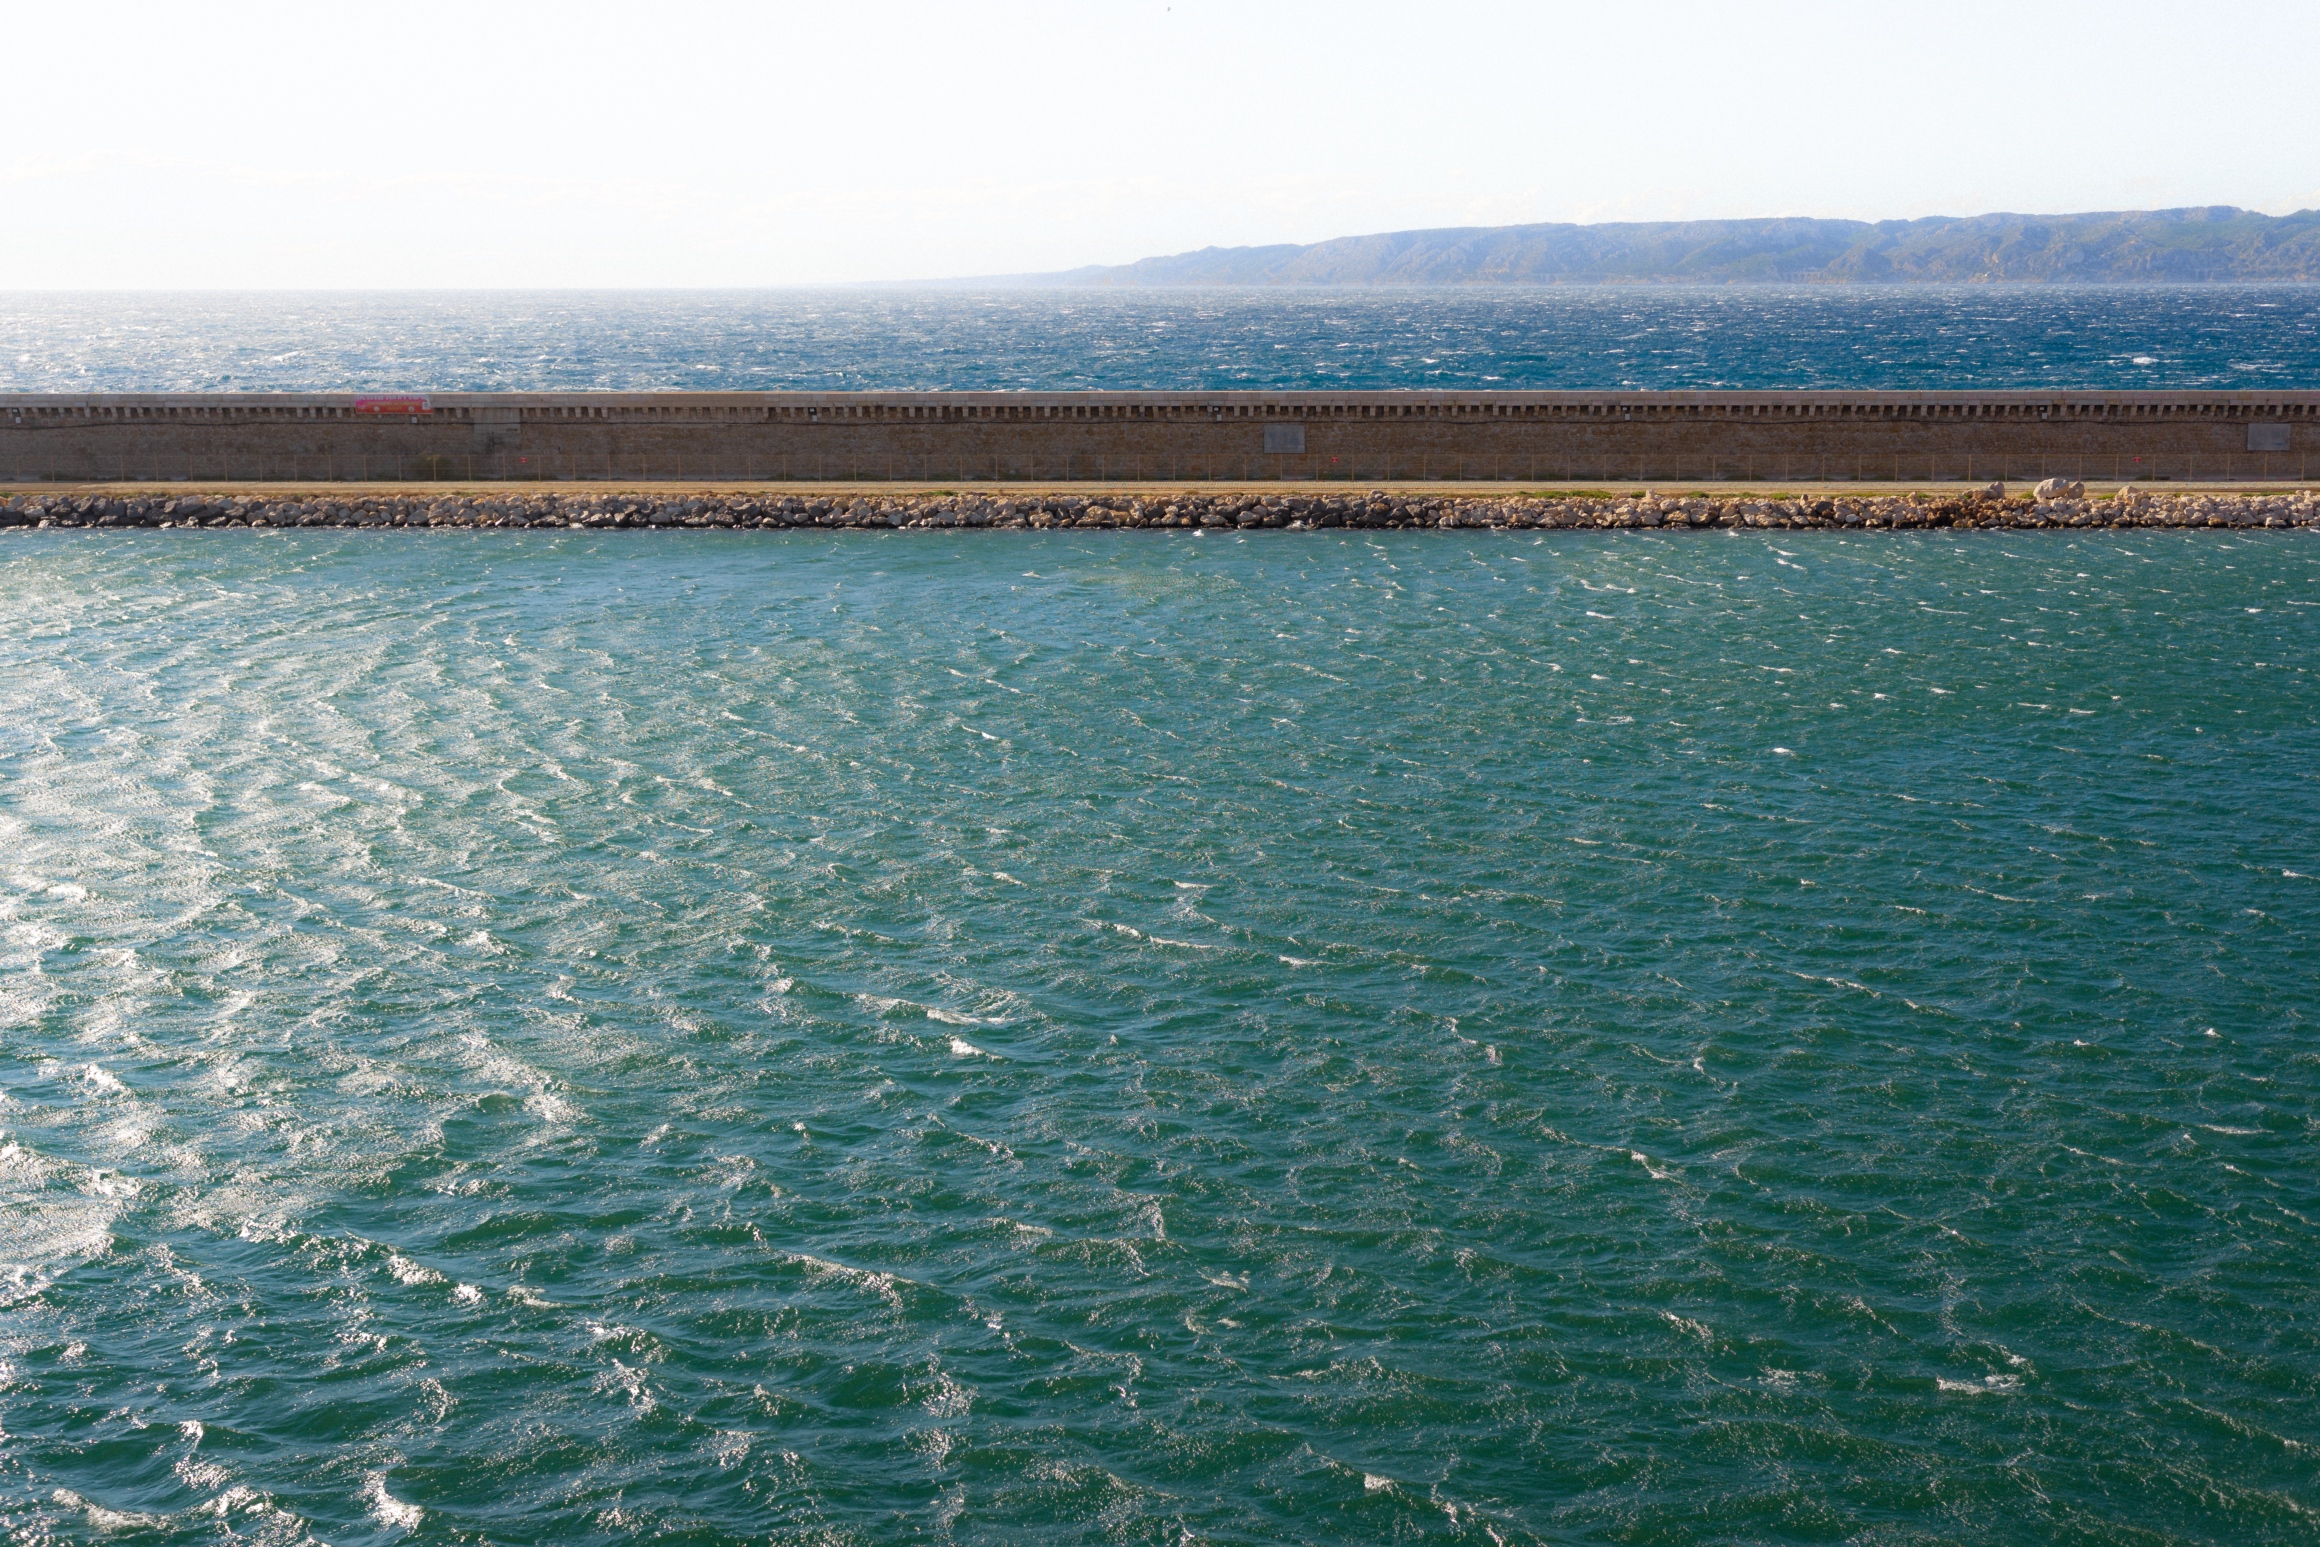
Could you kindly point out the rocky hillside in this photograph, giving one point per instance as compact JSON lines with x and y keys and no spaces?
{"x":2122,"y":247}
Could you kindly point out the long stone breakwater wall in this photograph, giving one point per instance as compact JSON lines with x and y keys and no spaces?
{"x":1295,"y":510}
{"x":1359,"y":438}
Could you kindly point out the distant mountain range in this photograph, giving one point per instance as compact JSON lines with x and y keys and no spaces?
{"x":2120,"y":247}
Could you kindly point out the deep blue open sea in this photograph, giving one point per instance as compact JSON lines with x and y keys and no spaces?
{"x":2211,"y":336}
{"x":1035,"y":1038}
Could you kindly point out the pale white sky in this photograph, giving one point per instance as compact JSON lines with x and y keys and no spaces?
{"x":408,"y":143}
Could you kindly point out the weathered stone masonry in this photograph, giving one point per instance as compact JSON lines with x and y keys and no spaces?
{"x":1126,"y":437}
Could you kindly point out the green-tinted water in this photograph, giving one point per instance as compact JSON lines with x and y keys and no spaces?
{"x":911,"y":1038}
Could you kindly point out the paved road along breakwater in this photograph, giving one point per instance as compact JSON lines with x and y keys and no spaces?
{"x":1376,"y":510}
{"x":1357,"y":438}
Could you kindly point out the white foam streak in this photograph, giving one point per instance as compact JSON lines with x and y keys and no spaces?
{"x":388,"y":1510}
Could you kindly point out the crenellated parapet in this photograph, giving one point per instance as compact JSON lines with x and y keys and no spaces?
{"x":1174,"y":436}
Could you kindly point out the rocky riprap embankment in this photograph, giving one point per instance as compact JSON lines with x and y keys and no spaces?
{"x":1297,"y":511}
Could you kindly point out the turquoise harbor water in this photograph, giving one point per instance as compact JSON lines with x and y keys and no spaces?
{"x":562,"y":1038}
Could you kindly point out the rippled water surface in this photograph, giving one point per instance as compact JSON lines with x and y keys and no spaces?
{"x":563,"y":1038}
{"x":1946,"y":337}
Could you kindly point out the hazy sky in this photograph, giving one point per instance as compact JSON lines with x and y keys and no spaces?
{"x":399,"y":143}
